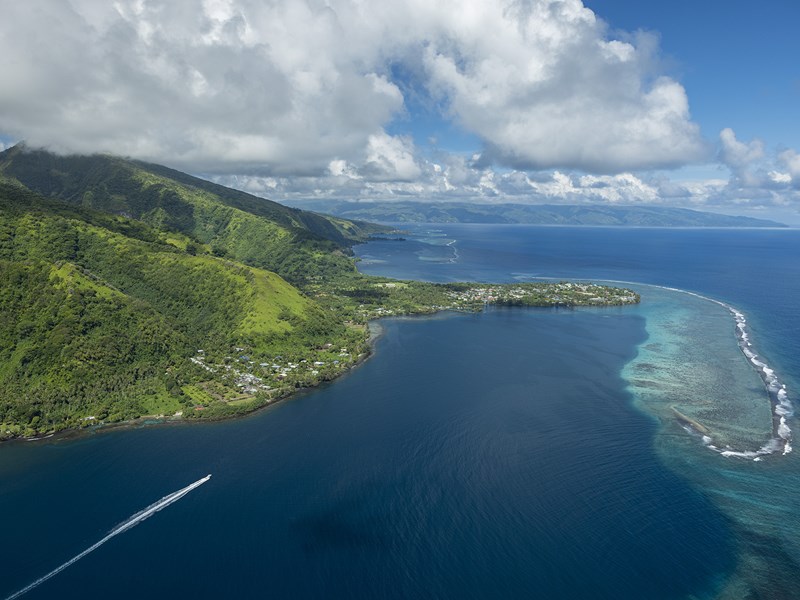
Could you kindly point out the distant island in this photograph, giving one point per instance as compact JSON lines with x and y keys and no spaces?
{"x":529,"y":214}
{"x":130,"y":290}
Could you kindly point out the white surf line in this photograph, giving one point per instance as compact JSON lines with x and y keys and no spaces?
{"x":781,"y":405}
{"x":452,"y":245}
{"x":131,"y":522}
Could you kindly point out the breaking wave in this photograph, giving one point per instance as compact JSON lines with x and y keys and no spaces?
{"x":781,"y":405}
{"x":782,"y":409}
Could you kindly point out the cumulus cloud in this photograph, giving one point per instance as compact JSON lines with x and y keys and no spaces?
{"x":736,"y":154}
{"x":770,"y":184}
{"x":548,"y":89}
{"x":749,"y":164}
{"x":295,"y":99}
{"x":790,"y":160}
{"x":460,"y":179}
{"x":216,"y":85}
{"x":390,"y":158}
{"x":743,"y":159}
{"x":758,"y":179}
{"x":289,"y":87}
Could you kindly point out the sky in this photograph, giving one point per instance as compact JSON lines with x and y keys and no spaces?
{"x":678,"y":103}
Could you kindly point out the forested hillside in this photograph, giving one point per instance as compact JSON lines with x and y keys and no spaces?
{"x":298,"y":245}
{"x":102,"y":312}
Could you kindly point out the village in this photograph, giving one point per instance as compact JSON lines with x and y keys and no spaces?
{"x":244,"y":377}
{"x":240,"y":377}
{"x":546,"y":294}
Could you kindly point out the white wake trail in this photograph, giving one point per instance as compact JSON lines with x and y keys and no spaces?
{"x":122,"y":527}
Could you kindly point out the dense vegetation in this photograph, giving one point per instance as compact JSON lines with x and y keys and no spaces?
{"x":129,"y":290}
{"x":102,"y":312}
{"x":298,"y":245}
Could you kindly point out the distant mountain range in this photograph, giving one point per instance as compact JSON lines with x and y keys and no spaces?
{"x":533,"y":214}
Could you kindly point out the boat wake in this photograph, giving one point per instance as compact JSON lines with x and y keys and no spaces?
{"x":131,"y":522}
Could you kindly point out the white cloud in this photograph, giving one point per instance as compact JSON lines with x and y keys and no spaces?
{"x":226,"y":86}
{"x":284,"y":87}
{"x":790,"y":159}
{"x":751,"y":166}
{"x":758,"y":179}
{"x":295,"y":98}
{"x":779,"y":177}
{"x":390,"y":159}
{"x":449,"y":177}
{"x":737,"y":154}
{"x":624,"y":188}
{"x":457,"y":179}
{"x":547,"y":89}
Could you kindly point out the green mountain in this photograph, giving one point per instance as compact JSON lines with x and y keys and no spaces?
{"x":532,"y":214}
{"x":102,"y":313}
{"x":130,"y":289}
{"x":297,"y":244}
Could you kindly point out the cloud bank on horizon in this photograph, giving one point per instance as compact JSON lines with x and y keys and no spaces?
{"x":301,"y":98}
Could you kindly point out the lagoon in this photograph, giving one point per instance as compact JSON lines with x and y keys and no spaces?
{"x":511,"y":453}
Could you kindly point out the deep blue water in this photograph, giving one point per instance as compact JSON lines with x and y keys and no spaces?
{"x":757,"y":271}
{"x":474,"y":456}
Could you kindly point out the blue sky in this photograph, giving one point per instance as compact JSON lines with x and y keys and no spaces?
{"x":533,"y":101}
{"x":737,"y":60}
{"x":739,"y":66}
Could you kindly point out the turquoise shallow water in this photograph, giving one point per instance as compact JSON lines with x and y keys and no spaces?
{"x":690,"y":364}
{"x":514,"y":453}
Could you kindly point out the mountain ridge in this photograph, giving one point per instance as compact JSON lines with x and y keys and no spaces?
{"x":294,"y":243}
{"x":102,"y":314}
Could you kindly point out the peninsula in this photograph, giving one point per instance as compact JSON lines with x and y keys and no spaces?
{"x":130,"y":290}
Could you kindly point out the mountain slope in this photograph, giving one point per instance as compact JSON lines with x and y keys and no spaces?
{"x":102,"y":314}
{"x":298,"y":245}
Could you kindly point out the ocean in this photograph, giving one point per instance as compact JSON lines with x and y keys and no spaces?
{"x":511,"y":453}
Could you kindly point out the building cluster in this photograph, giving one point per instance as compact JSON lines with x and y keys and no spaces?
{"x":249,"y":377}
{"x":566,"y":293}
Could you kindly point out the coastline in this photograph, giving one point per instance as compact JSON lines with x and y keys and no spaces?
{"x":735,"y":414}
{"x":780,"y":405}
{"x":375,"y":333}
{"x":68,"y":434}
{"x":457,"y":297}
